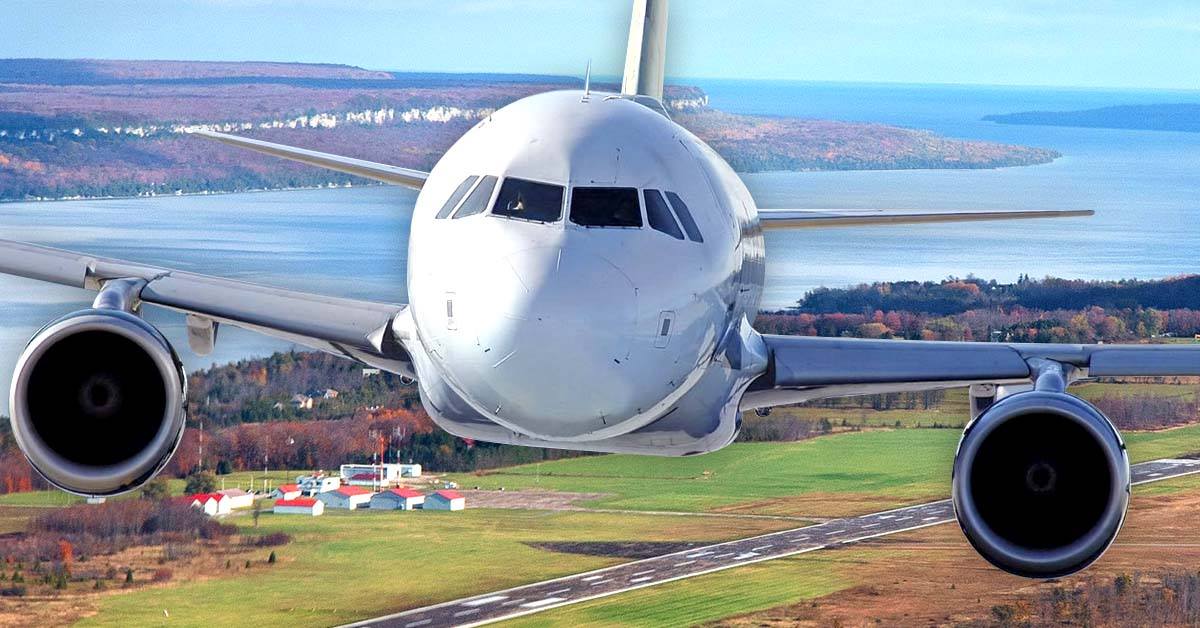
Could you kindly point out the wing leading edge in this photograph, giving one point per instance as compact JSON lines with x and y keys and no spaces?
{"x":393,"y":175}
{"x":361,"y":330}
{"x":818,"y":218}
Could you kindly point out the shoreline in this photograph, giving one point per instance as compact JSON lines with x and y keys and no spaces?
{"x":346,"y":186}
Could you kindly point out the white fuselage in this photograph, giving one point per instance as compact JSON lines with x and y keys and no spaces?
{"x":548,"y":332}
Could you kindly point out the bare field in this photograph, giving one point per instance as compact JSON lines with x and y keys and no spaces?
{"x":932,"y":577}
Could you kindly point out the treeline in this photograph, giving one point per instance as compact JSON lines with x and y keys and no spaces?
{"x":261,"y":390}
{"x":1015,"y":324}
{"x":955,"y":296}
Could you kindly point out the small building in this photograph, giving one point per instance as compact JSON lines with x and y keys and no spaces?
{"x":445,"y":500}
{"x":300,"y":506}
{"x":212,"y":504}
{"x":287,"y":491}
{"x":238,"y":498}
{"x":346,"y":498}
{"x":381,"y":475}
{"x":329,"y":394}
{"x":302,"y":402}
{"x":397,"y":499}
{"x":313,"y":485}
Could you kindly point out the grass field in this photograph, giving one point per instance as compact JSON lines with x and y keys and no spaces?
{"x":895,"y":466}
{"x":346,"y":566}
{"x":710,"y":597}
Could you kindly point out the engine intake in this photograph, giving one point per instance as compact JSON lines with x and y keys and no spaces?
{"x":1041,"y":484}
{"x":98,"y":402}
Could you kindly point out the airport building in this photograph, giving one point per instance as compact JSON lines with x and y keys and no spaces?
{"x":380,"y":475}
{"x":300,"y":506}
{"x":346,"y":498}
{"x":238,"y":498}
{"x":445,"y":500}
{"x":287,"y":491}
{"x":397,"y":499}
{"x":212,"y":504}
{"x":313,"y":485}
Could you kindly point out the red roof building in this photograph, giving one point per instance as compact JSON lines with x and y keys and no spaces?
{"x":300,"y":506}
{"x":397,"y":499}
{"x":300,"y":502}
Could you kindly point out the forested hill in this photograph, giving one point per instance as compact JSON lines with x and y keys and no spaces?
{"x":954,"y":296}
{"x":87,"y":128}
{"x":1160,"y":117}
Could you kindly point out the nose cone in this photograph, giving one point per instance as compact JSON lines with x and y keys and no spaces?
{"x":545,"y":348}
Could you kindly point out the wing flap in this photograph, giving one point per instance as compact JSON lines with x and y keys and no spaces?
{"x":820,"y":218}
{"x":394,"y":175}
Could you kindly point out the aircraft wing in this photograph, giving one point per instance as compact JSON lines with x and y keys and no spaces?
{"x":803,"y":368}
{"x":814,"y":218}
{"x":394,"y":175}
{"x":356,"y":329}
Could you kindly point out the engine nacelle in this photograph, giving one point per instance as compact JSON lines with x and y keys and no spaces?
{"x":98,"y":402}
{"x":1041,"y":484}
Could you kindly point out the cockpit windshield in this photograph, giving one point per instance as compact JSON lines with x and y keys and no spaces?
{"x":529,"y":200}
{"x":606,"y":207}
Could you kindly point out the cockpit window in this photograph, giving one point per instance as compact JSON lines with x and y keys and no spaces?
{"x":458,"y":195}
{"x":606,"y":207}
{"x":658,"y":214}
{"x":529,"y":200}
{"x":685,"y":217}
{"x":477,"y":202}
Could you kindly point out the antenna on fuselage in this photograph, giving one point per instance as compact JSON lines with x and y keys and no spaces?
{"x":587,"y":82}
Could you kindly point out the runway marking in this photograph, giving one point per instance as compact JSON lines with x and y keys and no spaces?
{"x":546,"y":602}
{"x":486,"y":600}
{"x":786,"y":543}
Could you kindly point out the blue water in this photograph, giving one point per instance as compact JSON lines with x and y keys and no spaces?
{"x":1144,"y":185}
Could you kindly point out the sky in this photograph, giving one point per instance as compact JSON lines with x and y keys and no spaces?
{"x":1097,"y":43}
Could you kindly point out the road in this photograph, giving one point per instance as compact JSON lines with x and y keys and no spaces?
{"x":533,"y":598}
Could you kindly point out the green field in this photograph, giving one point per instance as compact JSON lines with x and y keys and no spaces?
{"x":710,"y":597}
{"x":347,"y":566}
{"x":896,"y":466}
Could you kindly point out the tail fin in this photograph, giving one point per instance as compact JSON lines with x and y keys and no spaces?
{"x":647,"y":54}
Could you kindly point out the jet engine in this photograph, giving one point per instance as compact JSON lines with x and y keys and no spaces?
{"x":1041,"y":484}
{"x":98,"y":402}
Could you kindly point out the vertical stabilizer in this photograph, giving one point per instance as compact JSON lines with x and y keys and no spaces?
{"x":647,"y":55}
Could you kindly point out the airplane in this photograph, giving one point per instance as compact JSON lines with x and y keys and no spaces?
{"x":584,"y":274}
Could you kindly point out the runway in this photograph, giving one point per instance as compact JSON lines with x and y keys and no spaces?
{"x":533,"y":598}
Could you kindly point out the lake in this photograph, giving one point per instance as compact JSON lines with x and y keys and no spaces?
{"x":1145,"y":187}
